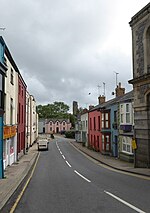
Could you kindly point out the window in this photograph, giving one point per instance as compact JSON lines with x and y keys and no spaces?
{"x":50,"y":123}
{"x":98,"y":122}
{"x":115,"y":116}
{"x":86,"y":123}
{"x":127,"y":145}
{"x":94,"y":123}
{"x":106,"y":142}
{"x":121,"y":113}
{"x":50,"y":128}
{"x":127,"y":113}
{"x":98,"y":142}
{"x":12,"y":76}
{"x":105,"y":120}
{"x":121,"y":118}
{"x":64,"y":123}
{"x":57,"y":123}
{"x":90,"y":123}
{"x":19,"y":113}
{"x":11,"y":111}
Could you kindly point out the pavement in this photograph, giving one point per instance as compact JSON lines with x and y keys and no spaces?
{"x":15,"y":174}
{"x":112,"y":162}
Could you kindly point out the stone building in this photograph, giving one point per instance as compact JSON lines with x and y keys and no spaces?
{"x":140,"y":25}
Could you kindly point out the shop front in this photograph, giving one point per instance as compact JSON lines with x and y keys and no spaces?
{"x":9,"y":145}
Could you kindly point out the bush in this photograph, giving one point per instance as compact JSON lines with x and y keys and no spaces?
{"x":70,"y":134}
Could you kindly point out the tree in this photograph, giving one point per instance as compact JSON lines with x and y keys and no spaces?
{"x":55,"y":110}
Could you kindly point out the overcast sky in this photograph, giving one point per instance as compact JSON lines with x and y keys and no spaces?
{"x":66,"y":48}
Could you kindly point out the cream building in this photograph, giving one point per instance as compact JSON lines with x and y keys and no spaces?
{"x":10,"y":108}
{"x":33,"y":121}
{"x":28,"y":135}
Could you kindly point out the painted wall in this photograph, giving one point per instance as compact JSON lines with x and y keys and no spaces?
{"x":10,"y":116}
{"x":33,"y":120}
{"x":84,"y":128}
{"x":21,"y":116}
{"x":57,"y":126}
{"x":94,"y":137}
{"x":114,"y":129}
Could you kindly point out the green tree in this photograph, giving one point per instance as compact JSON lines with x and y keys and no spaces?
{"x":55,"y":110}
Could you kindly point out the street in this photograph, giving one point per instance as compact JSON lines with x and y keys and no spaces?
{"x":66,"y":181}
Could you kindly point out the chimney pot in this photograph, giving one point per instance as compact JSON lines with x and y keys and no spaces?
{"x":101,"y":99}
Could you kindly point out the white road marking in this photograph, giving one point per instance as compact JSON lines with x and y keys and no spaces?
{"x":60,"y":152}
{"x":68,"y":164}
{"x":124,"y":202}
{"x":63,"y":156}
{"x":82,"y":176}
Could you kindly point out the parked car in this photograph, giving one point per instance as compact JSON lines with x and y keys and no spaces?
{"x":42,"y":144}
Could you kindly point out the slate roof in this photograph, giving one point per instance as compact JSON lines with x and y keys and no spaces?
{"x":120,"y":99}
{"x":54,"y":120}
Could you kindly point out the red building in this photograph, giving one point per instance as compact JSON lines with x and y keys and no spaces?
{"x":21,"y":116}
{"x":94,"y":136}
{"x":99,"y":127}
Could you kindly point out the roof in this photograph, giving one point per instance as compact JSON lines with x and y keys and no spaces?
{"x":8,"y":54}
{"x":125,"y":97}
{"x":54,"y":120}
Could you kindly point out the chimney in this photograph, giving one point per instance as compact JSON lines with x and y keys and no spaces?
{"x":119,"y":91}
{"x":90,"y":107}
{"x":101,"y":99}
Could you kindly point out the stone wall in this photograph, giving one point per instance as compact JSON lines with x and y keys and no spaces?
{"x":140,"y":24}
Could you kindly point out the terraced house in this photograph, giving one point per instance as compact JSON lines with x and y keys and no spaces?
{"x":13,"y":102}
{"x":111,"y":125}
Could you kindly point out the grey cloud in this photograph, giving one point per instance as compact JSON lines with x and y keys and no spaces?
{"x":62,"y":49}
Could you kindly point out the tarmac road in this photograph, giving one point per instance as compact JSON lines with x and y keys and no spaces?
{"x":65,"y":181}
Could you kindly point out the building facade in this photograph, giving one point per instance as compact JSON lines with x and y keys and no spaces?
{"x":57,"y":125}
{"x":21,"y":148}
{"x":140,"y":25}
{"x":33,"y":121}
{"x":94,"y":133}
{"x":84,"y":127}
{"x":11,"y":106}
{"x":126,"y":127}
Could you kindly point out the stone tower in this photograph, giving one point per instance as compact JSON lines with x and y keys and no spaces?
{"x":140,"y":25}
{"x":75,"y":108}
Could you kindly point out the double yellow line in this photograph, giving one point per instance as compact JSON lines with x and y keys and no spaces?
{"x":25,"y":186}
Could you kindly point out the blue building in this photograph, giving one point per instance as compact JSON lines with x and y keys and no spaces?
{"x":2,"y":76}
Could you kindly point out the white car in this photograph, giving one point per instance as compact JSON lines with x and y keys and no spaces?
{"x":42,"y":144}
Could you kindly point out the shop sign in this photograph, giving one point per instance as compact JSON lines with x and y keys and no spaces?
{"x":9,"y":131}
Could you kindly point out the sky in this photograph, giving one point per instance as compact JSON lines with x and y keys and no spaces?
{"x":71,"y":50}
